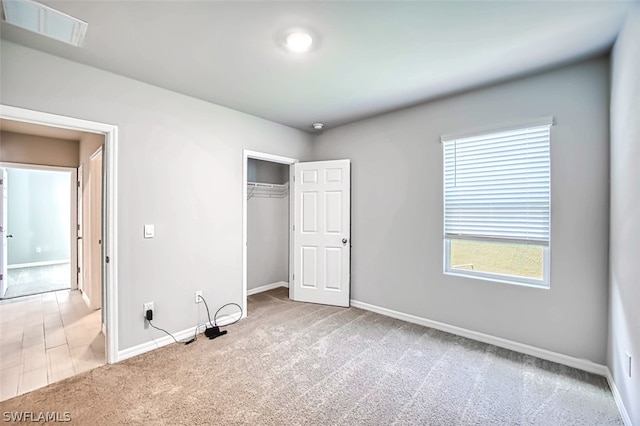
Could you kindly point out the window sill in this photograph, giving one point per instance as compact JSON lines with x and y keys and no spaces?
{"x":543,"y":285}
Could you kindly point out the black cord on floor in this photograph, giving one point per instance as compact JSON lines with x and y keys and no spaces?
{"x":195,"y":334}
{"x":208,"y":314}
{"x":214,"y":323}
{"x":215,"y":317}
{"x":162,"y":329}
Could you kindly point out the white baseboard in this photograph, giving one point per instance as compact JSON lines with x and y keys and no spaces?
{"x":167,"y":340}
{"x":581,"y":364}
{"x":86,"y":299}
{"x":616,"y":396}
{"x":224,"y":320}
{"x":34,"y":264}
{"x":267,"y":287}
{"x":155,"y":343}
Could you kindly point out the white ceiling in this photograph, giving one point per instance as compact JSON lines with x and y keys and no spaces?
{"x":368,"y":57}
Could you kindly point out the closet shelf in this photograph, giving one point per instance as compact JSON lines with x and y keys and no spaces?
{"x":267,"y":190}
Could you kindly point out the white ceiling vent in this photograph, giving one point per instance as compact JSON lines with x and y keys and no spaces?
{"x":44,"y":20}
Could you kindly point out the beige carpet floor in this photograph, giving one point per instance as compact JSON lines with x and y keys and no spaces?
{"x":292,"y":363}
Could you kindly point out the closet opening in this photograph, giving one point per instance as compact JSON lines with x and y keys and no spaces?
{"x":267,"y":223}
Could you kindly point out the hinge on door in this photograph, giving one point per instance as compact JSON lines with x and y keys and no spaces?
{"x":107,"y":259}
{"x":78,"y":184}
{"x":78,"y":227}
{"x":78,"y":269}
{"x":294,"y":227}
{"x":294,"y":277}
{"x":1,"y":277}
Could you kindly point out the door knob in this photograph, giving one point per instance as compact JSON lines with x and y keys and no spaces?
{"x":10,"y":236}
{"x":344,"y":241}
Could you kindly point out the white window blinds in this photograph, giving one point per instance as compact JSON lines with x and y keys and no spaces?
{"x":496,"y":186}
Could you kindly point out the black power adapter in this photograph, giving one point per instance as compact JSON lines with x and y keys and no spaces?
{"x":149,"y":315}
{"x":213,"y":332}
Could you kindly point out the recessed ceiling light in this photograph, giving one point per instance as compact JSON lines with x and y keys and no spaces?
{"x":45,"y":21}
{"x":298,"y":42}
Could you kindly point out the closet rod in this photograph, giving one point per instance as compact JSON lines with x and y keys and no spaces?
{"x":269,"y":190}
{"x":267,"y":185}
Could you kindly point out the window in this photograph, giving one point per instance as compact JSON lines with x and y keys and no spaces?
{"x":497,"y":204}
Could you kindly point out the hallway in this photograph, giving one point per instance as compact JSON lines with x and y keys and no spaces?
{"x":38,"y":279}
{"x":46,"y":338}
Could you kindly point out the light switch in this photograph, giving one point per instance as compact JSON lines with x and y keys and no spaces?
{"x":149,"y":231}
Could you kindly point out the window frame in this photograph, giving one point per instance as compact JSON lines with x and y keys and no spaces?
{"x":500,"y":278}
{"x":545,"y":282}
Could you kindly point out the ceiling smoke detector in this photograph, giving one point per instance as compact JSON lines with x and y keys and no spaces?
{"x":318,"y":126}
{"x":45,"y":21}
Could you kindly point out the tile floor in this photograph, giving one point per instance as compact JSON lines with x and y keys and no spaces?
{"x":45,"y":338}
{"x":38,"y":279}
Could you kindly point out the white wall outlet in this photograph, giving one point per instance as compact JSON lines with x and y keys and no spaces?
{"x":198,"y":296}
{"x":628,"y":363}
{"x":146,"y":307}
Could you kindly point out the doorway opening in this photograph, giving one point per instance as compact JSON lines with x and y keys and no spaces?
{"x":318,"y":229}
{"x":266,"y":222}
{"x":38,"y":214}
{"x":107,"y":134}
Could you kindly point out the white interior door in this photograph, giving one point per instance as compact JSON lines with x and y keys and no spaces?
{"x":322,"y":232}
{"x":4,"y":278}
{"x":93,"y":288}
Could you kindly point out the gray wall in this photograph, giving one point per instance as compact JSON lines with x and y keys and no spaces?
{"x":180,"y":167}
{"x":267,"y":241}
{"x":267,"y":227}
{"x":397,"y":253}
{"x":38,"y":216}
{"x":624,"y":293}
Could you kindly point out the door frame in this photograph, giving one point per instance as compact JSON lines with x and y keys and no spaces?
{"x":110,"y":182}
{"x":246,"y":155}
{"x":79,"y":230}
{"x":3,"y":233}
{"x":73,"y":249}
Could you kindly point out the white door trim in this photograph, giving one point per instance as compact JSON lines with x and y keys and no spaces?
{"x":246,"y":154}
{"x":73,"y":216}
{"x":4,"y":270}
{"x":110,"y":171}
{"x":80,"y":230}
